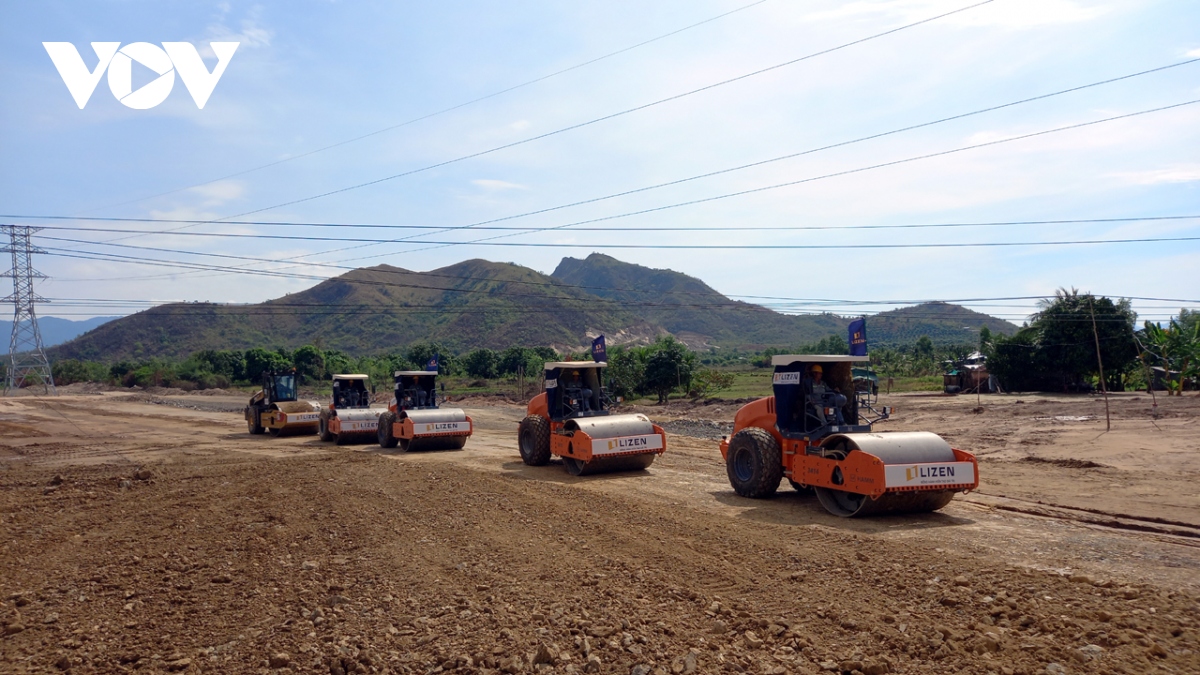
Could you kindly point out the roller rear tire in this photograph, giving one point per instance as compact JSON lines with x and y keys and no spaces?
{"x":754,"y":463}
{"x":533,"y":439}
{"x":323,"y":427}
{"x":254,"y":424}
{"x":386,"y":438}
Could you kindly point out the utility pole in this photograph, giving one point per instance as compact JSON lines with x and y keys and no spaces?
{"x":1100,"y":363}
{"x":26,"y":357}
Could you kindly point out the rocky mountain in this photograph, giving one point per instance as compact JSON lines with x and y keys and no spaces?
{"x":477,"y":303}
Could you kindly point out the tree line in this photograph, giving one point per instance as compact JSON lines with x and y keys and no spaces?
{"x":1054,"y":351}
{"x":1058,"y":347}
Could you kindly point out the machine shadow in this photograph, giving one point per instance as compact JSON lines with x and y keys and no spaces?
{"x":555,"y":472}
{"x":376,"y":449}
{"x":792,"y":508}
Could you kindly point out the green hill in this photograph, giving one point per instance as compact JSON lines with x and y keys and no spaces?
{"x":942,"y":322}
{"x":477,"y":303}
{"x":689,"y":308}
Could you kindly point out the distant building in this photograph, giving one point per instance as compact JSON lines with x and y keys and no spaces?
{"x":969,"y":375}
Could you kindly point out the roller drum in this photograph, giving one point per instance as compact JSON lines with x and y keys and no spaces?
{"x":349,"y":417}
{"x":902,"y":447}
{"x":436,"y":415}
{"x":912,"y":447}
{"x":612,"y":427}
{"x":293,"y":428}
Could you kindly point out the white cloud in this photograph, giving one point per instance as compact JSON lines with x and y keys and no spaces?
{"x":1193,"y":54}
{"x":497,"y":185}
{"x":1006,"y":14}
{"x":219,"y":192}
{"x":251,"y":34}
{"x":1181,"y":174}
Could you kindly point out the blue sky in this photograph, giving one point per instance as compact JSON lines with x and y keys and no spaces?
{"x":308,"y":74}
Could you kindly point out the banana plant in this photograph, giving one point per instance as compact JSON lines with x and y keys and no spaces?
{"x":1177,"y":348}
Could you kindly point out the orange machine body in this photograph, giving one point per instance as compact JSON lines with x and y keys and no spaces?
{"x":818,"y":437}
{"x":573,"y":420}
{"x":405,"y":428}
{"x":568,"y":439}
{"x":860,"y":472}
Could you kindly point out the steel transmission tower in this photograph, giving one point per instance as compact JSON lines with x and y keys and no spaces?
{"x":26,"y":357}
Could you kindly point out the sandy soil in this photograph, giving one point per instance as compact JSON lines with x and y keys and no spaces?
{"x":150,"y":532}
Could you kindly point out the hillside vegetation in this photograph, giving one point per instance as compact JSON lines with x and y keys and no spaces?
{"x":477,"y":303}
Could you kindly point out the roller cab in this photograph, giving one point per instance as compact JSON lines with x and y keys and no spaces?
{"x":571,"y":419}
{"x":822,"y":440}
{"x":414,"y":421}
{"x":349,"y":417}
{"x":275,"y":408}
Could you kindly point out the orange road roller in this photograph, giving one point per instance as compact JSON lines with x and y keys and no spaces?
{"x":349,"y":417}
{"x":571,"y":419}
{"x":415,"y":422}
{"x":820,"y":439}
{"x":275,"y":408}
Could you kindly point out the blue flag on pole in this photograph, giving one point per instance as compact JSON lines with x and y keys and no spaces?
{"x":432,"y":366}
{"x":599,"y":353}
{"x":858,"y":337}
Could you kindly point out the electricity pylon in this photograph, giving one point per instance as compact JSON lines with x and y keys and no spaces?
{"x":27,"y":362}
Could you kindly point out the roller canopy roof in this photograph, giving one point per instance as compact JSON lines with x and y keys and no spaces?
{"x":785,"y":359}
{"x":574,"y":364}
{"x":352,"y":377}
{"x":398,"y":373}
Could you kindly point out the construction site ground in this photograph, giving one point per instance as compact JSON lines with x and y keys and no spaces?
{"x":150,"y":532}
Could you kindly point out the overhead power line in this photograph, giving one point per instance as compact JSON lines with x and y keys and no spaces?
{"x":442,"y":111}
{"x":836,"y":174}
{"x":488,"y":291}
{"x":636,"y":228}
{"x":488,"y":241}
{"x":485,"y":225}
{"x":793,"y":155}
{"x":751,"y":228}
{"x":713,"y":247}
{"x":603,"y":118}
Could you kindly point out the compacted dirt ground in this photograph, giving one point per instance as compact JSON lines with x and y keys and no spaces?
{"x":151,"y":533}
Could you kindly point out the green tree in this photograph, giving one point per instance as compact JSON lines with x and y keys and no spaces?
{"x":626,"y":368}
{"x":259,"y":360}
{"x":70,"y":371}
{"x":985,"y":338}
{"x":923,"y":349}
{"x":668,"y":368}
{"x":337,"y":362}
{"x":420,"y":353}
{"x":310,"y":363}
{"x":481,"y":363}
{"x":1057,"y":350}
{"x":709,"y":381}
{"x":1175,"y":348}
